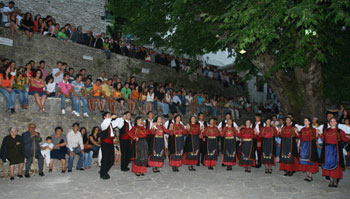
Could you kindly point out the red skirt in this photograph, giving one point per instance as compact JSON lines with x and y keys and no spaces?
{"x":228,"y":163}
{"x":308,"y":168}
{"x":175,"y":163}
{"x":189,"y":162}
{"x":138,"y":169}
{"x":209,"y":163}
{"x":290,"y":167}
{"x":155,"y":163}
{"x":335,"y":173}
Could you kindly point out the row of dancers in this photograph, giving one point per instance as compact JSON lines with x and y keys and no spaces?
{"x":247,"y":145}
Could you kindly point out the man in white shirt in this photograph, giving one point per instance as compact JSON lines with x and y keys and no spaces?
{"x":107,"y":142}
{"x":75,"y":146}
{"x":57,"y":73}
{"x":6,"y":11}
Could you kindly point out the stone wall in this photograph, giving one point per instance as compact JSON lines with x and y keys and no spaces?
{"x":86,"y":13}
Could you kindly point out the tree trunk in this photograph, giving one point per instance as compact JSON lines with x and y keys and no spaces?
{"x":300,"y":90}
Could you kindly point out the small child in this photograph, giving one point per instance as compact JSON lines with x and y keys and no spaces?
{"x":50,"y":86}
{"x":46,"y":148}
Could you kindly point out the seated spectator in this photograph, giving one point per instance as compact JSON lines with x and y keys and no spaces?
{"x":97,"y":92}
{"x":27,"y":25}
{"x":46,"y":149}
{"x":107,"y":90}
{"x":88,"y":38}
{"x":12,"y":150}
{"x":20,"y":89}
{"x":106,"y":47}
{"x":149,"y":100}
{"x":50,"y":86}
{"x":75,"y":146}
{"x":13,"y":24}
{"x":160,"y":99}
{"x":28,"y":71}
{"x":136,"y":97}
{"x":190,"y":102}
{"x":78,"y":36}
{"x":31,"y":140}
{"x":65,"y":92}
{"x":175,"y":102}
{"x":6,"y":11}
{"x":89,"y":93}
{"x":95,"y":140}
{"x":36,"y":88}
{"x":126,"y":92}
{"x":182,"y":95}
{"x":200,"y":100}
{"x":6,"y":82}
{"x":43,"y":70}
{"x":117,"y":96}
{"x":62,"y":35}
{"x":59,"y":149}
{"x":88,"y":152}
{"x":50,"y":29}
{"x":40,"y":26}
{"x":79,"y":94}
{"x":103,"y":77}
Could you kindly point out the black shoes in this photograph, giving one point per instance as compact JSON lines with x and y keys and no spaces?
{"x":27,"y":175}
{"x":12,"y":178}
{"x":127,"y":169}
{"x":41,"y":174}
{"x":63,"y":171}
{"x":13,"y":110}
{"x":105,"y":177}
{"x":210,"y":168}
{"x":20,"y":176}
{"x":81,"y":169}
{"x":50,"y":170}
{"x":229,"y":168}
{"x":69,"y":171}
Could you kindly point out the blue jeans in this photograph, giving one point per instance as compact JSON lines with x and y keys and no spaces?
{"x":22,"y":96}
{"x":77,"y":104}
{"x":108,"y":53}
{"x":88,"y":159}
{"x":71,"y":158}
{"x":164,"y":106}
{"x":9,"y":98}
{"x":63,"y":102}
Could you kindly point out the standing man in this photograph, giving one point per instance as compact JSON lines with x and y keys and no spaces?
{"x":32,"y":140}
{"x":258,"y":125}
{"x":148,"y":125}
{"x":109,"y":123}
{"x":125,"y":141}
{"x":57,"y":74}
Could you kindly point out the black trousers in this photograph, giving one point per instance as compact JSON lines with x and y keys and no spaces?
{"x":202,"y":151}
{"x":107,"y":158}
{"x":126,"y":151}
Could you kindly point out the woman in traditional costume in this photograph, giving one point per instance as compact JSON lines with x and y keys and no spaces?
{"x":308,"y":156}
{"x":247,"y":149}
{"x":139,"y":147}
{"x":332,"y":153}
{"x":268,"y":134}
{"x":157,"y":155}
{"x":191,"y":149}
{"x":229,"y":156}
{"x":210,"y":135}
{"x":176,"y":143}
{"x":289,"y":150}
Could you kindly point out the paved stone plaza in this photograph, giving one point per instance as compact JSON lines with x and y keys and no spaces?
{"x":167,"y":184}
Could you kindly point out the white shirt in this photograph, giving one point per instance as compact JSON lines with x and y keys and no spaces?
{"x":50,"y":87}
{"x":103,"y":79}
{"x":173,"y":63}
{"x":234,"y":125}
{"x":19,"y":19}
{"x":59,"y":78}
{"x":188,"y":99}
{"x":47,"y":144}
{"x":74,"y":140}
{"x":150,"y":98}
{"x":4,"y":17}
{"x":167,"y":125}
{"x":150,"y":123}
{"x":176,"y":99}
{"x":117,"y":123}
{"x":168,"y":98}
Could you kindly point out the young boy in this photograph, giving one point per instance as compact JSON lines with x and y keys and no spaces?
{"x":46,"y":148}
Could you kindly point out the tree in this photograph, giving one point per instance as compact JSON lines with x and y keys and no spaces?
{"x":286,"y":40}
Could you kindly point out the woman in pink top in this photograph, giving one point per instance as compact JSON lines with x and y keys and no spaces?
{"x":36,"y":88}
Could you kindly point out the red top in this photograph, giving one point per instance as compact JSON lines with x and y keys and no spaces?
{"x":194,"y":129}
{"x":30,"y":74}
{"x":178,"y":129}
{"x":6,"y":82}
{"x":307,"y":134}
{"x":159,"y":131}
{"x":40,"y":81}
{"x":332,"y":138}
{"x":247,"y":133}
{"x":288,"y":132}
{"x":211,"y":131}
{"x":229,"y":132}
{"x":268,"y":132}
{"x":138,"y":132}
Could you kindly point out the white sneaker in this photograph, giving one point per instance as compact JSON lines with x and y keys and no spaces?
{"x":74,"y":113}
{"x":63,"y":111}
{"x":77,"y":114}
{"x":85,"y":115}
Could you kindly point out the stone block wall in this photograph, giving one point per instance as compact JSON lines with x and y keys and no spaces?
{"x":86,"y":13}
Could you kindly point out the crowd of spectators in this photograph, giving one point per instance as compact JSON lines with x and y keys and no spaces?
{"x":14,"y":18}
{"x":107,"y":92}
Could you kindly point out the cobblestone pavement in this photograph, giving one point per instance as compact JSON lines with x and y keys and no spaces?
{"x":180,"y":185}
